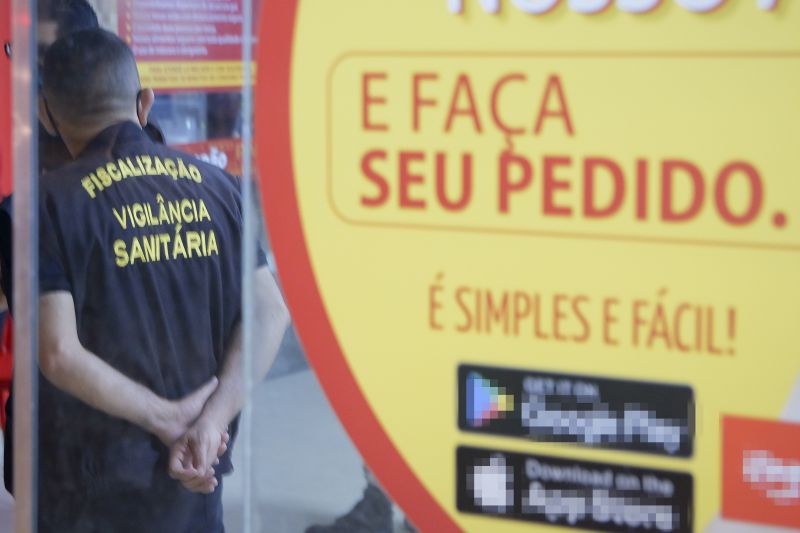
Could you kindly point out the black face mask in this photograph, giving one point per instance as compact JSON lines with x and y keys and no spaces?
{"x":138,"y":101}
{"x":52,"y":120}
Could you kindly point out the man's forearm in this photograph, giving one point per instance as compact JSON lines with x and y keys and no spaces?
{"x":77,"y":371}
{"x":271,"y":318}
{"x":192,"y":456}
{"x":82,"y":374}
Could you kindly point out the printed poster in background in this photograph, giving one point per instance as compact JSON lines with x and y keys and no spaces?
{"x":224,"y":153}
{"x":184,"y":45}
{"x":543,"y":254}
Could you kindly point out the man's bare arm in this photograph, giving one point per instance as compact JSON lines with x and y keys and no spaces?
{"x":271,"y":318}
{"x":75,"y":370}
{"x":196,"y":451}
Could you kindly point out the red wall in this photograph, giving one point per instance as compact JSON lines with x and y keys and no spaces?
{"x":6,"y":167}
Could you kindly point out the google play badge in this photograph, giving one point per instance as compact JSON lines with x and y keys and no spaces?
{"x":486,"y":400}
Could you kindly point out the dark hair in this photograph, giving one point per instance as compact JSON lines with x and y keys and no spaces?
{"x":90,"y":74}
{"x":74,"y":15}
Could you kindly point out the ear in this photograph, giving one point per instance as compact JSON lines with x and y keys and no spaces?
{"x":146,"y":99}
{"x":44,"y":118}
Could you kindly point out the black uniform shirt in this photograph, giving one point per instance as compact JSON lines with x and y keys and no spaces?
{"x":148,"y":242}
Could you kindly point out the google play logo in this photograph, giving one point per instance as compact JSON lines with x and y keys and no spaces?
{"x":486,"y":400}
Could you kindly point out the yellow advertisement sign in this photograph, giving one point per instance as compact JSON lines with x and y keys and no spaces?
{"x":541,"y":252}
{"x":186,"y":75}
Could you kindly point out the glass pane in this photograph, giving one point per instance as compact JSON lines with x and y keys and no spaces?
{"x":156,"y":275}
{"x":6,"y":184}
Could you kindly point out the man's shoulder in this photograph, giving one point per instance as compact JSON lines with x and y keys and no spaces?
{"x":65,"y":177}
{"x":73,"y":169}
{"x":213,"y":173}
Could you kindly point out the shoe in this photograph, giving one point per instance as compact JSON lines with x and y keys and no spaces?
{"x":372,"y":514}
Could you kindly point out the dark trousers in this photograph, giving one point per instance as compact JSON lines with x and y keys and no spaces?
{"x":167,"y":507}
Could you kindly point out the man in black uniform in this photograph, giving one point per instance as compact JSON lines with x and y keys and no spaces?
{"x":56,"y":19}
{"x":140,"y":298}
